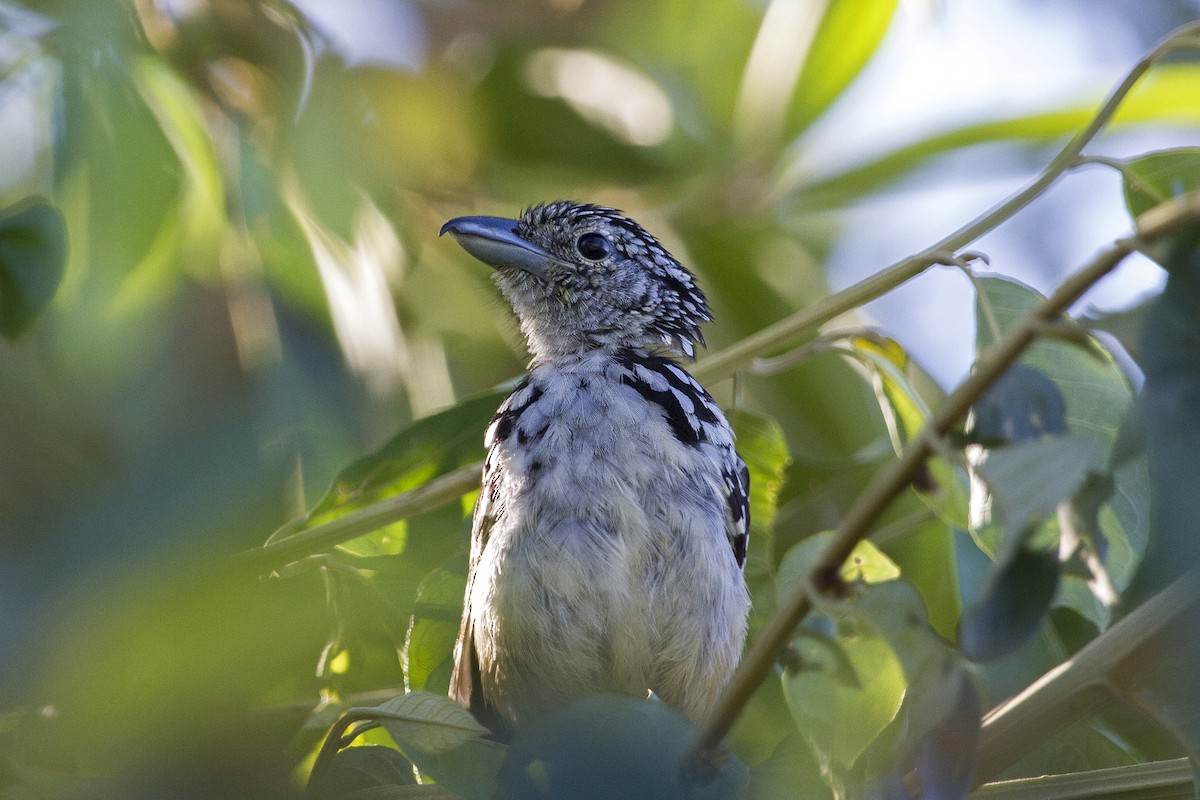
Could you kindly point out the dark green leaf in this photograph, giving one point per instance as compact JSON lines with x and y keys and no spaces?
{"x":609,"y":746}
{"x":1170,"y":420}
{"x":428,"y":723}
{"x":425,"y":449}
{"x":791,"y":771}
{"x":1022,"y":404}
{"x":33,"y":255}
{"x":1160,"y":176}
{"x":1011,"y":606}
{"x":364,"y":767}
{"x":469,"y":770}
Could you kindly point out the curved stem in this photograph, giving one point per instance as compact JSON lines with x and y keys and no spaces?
{"x":725,"y":363}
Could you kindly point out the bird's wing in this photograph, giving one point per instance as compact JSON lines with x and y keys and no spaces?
{"x":695,"y":420}
{"x":464,"y":681}
{"x":737,"y":497}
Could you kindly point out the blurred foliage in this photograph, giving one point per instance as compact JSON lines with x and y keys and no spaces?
{"x":218,"y":251}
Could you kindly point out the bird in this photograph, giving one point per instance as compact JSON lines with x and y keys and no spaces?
{"x":609,"y":536}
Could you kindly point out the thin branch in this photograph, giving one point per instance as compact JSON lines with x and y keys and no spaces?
{"x":895,"y":477}
{"x":1162,"y":780}
{"x":285,"y":549}
{"x":1086,"y":682}
{"x":724,"y":364}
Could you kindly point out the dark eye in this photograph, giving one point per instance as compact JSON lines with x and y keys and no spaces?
{"x":594,"y":247}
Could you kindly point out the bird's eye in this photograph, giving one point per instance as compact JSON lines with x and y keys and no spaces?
{"x":594,"y":247}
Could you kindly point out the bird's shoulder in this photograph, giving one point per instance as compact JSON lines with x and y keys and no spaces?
{"x":649,"y":382}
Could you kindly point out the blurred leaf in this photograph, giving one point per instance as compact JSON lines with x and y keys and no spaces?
{"x":761,"y":445}
{"x":1159,"y":686}
{"x":791,"y":771}
{"x":940,"y":756}
{"x":113,"y":143}
{"x":841,"y":720}
{"x":1022,"y":484}
{"x":1162,"y":96}
{"x":428,"y":723}
{"x":1170,"y":419}
{"x":572,"y":754}
{"x":429,"y":447}
{"x":1098,"y":398}
{"x":33,"y":254}
{"x":1022,"y":404}
{"x":166,"y":667}
{"x":1156,"y":177}
{"x":429,"y":646}
{"x":1125,"y":325}
{"x":1010,"y":607}
{"x":364,"y":767}
{"x":536,"y":134}
{"x":1082,"y":746}
{"x":468,"y":770}
{"x":888,"y":361}
{"x":850,"y":32}
{"x":675,"y":43}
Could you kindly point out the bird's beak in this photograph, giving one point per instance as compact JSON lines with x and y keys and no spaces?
{"x":494,"y":241}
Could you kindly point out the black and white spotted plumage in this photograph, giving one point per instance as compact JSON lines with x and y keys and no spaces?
{"x":611,"y":528}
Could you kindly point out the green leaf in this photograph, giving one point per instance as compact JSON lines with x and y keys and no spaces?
{"x":866,"y":563}
{"x":468,"y":770}
{"x":1022,"y":484}
{"x":1098,"y":400}
{"x":849,"y":34}
{"x":791,"y":771}
{"x":364,"y":767}
{"x":425,"y":449}
{"x":429,"y":645}
{"x":761,"y":444}
{"x":428,"y":723}
{"x":1163,"y":96}
{"x":937,"y":728}
{"x":33,"y":256}
{"x":1160,"y":176}
{"x":608,"y":746}
{"x":1170,"y":420}
{"x":1011,"y":606}
{"x":839,"y":719}
{"x":947,"y":497}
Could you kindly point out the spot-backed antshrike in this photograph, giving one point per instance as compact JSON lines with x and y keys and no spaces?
{"x":611,"y":529}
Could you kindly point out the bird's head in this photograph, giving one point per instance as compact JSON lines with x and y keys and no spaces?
{"x":583,"y":277}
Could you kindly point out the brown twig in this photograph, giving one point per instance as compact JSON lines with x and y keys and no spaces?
{"x":896,"y":476}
